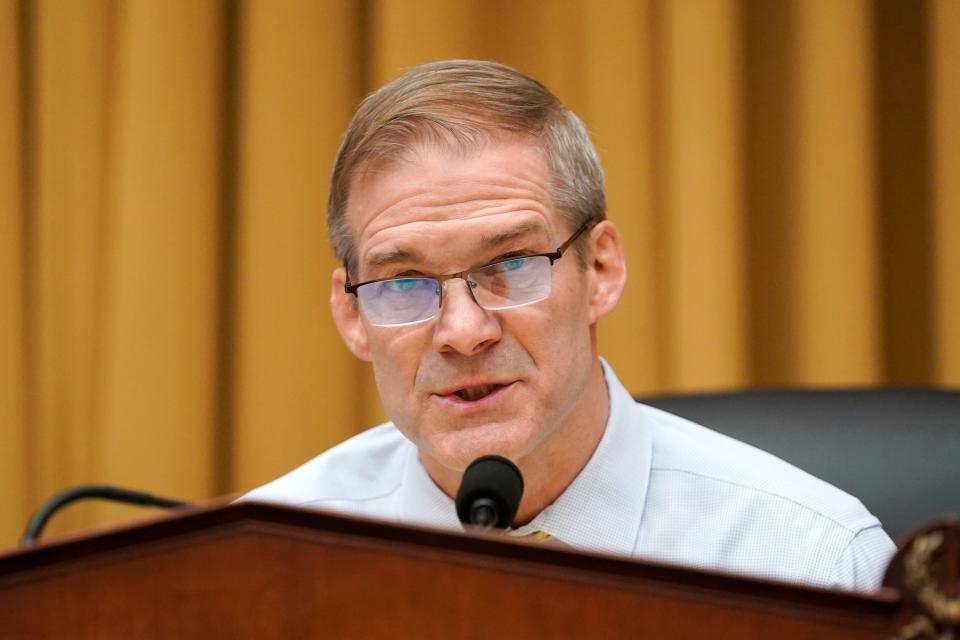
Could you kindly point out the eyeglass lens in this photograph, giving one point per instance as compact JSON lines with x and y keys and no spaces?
{"x":503,"y":285}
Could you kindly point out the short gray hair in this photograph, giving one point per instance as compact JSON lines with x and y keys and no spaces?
{"x":466,"y":103}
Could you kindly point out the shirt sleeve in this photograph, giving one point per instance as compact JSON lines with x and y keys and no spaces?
{"x":864,"y":561}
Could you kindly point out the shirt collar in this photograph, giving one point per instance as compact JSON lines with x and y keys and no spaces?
{"x":599,"y":511}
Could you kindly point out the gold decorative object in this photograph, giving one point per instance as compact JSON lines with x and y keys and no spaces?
{"x":938,"y":617}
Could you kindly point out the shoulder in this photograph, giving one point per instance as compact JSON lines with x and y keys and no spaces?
{"x":366,"y":467}
{"x":684,"y":448}
{"x":720,"y":501}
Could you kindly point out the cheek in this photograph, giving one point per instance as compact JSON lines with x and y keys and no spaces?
{"x":396,"y":354}
{"x":569,"y":311}
{"x":553,"y":336}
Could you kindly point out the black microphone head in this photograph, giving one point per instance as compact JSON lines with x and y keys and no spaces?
{"x":490,"y":492}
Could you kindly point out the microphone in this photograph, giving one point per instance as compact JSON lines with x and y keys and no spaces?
{"x":490,"y":493}
{"x":104,"y":492}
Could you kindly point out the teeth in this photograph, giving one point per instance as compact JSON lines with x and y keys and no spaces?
{"x":472,"y":394}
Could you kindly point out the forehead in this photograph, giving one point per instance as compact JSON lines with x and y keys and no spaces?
{"x":442,"y":201}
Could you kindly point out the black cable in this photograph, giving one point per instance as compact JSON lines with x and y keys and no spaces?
{"x":83,"y":492}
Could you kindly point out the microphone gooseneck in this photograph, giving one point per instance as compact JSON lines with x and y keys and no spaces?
{"x":84,"y":492}
{"x":490,"y":493}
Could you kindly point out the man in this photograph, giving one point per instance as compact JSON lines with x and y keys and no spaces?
{"x":467,"y":206}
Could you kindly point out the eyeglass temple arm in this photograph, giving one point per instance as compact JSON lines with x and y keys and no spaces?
{"x":347,"y":286}
{"x":556,"y":255}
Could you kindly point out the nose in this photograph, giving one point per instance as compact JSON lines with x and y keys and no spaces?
{"x":463,"y":326}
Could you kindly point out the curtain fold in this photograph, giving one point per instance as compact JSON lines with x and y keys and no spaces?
{"x":785,"y":175}
{"x":65,"y":236}
{"x":943,"y":28}
{"x":835,"y":230}
{"x":618,"y":61}
{"x":162,"y":291}
{"x":14,"y":480}
{"x":701,"y":229}
{"x":297,"y":388}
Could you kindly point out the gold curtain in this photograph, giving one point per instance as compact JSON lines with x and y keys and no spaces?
{"x":786,"y":176}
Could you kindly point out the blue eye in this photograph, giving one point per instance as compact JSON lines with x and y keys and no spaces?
{"x":513,"y":265}
{"x":403,"y":284}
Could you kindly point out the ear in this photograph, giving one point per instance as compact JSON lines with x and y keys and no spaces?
{"x":346,"y":315}
{"x":609,"y":270}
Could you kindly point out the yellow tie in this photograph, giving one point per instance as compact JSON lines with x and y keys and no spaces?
{"x":542,"y":537}
{"x":538,"y":536}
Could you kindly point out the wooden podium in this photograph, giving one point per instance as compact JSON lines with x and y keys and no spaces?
{"x":260,"y":571}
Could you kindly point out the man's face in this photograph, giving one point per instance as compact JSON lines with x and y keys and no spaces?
{"x":470,"y":381}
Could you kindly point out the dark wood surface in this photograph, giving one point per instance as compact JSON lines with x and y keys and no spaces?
{"x":261,"y":571}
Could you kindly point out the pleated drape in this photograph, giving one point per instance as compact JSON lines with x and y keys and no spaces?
{"x":14,"y":467}
{"x":786,"y":177}
{"x":297,"y":388}
{"x":942,"y":26}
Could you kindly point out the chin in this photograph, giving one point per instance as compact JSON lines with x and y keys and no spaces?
{"x":457,"y":450}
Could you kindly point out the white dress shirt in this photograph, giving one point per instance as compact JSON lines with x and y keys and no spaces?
{"x":658,"y":487}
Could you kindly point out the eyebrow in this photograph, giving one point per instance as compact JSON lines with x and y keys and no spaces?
{"x":487,"y":241}
{"x":493,"y":240}
{"x":394,"y":256}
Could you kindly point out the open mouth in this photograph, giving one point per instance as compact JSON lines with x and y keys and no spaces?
{"x":472,"y":394}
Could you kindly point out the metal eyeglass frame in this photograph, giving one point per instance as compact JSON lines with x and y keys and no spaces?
{"x":555,"y":255}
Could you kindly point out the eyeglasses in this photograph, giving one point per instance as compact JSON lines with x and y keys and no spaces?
{"x":507,"y":284}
